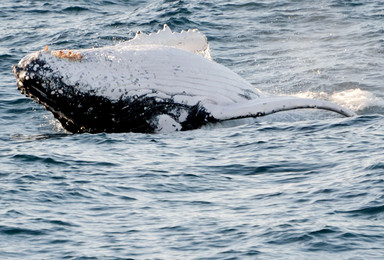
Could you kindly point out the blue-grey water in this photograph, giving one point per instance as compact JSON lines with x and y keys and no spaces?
{"x":295,"y":185}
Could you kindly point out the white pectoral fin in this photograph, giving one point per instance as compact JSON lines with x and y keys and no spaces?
{"x":266,"y":106}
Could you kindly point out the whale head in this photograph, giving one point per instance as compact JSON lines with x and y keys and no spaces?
{"x":72,"y":88}
{"x":75,"y":109}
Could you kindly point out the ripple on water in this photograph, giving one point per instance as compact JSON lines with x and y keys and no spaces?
{"x":9,"y":230}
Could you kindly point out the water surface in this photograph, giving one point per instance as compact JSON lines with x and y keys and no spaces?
{"x":295,"y":185}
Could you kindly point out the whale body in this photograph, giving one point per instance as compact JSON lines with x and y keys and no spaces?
{"x":163,"y":81}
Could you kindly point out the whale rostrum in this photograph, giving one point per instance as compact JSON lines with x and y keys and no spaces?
{"x":159,"y":82}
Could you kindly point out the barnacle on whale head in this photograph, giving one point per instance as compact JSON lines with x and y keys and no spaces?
{"x":65,"y":54}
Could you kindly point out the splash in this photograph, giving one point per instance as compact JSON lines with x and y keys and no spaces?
{"x":191,"y":40}
{"x":354,"y":99}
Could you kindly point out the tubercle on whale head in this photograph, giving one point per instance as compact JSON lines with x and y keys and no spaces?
{"x":68,"y":54}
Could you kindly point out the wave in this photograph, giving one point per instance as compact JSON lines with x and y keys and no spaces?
{"x":354,"y":99}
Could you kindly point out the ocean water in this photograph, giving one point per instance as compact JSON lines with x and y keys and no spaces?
{"x":295,"y":185}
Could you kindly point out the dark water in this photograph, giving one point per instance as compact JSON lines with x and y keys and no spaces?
{"x":297,"y":185}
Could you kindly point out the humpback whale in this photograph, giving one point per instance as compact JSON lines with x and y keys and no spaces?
{"x":164,"y":81}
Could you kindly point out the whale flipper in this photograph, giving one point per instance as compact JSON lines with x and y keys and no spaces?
{"x":270,"y":105}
